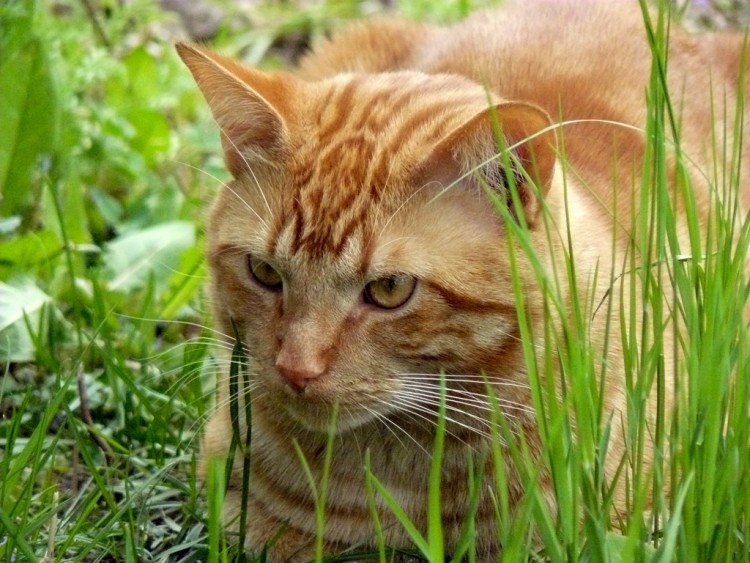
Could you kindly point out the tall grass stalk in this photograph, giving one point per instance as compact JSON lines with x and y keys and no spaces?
{"x":434,"y":513}
{"x":319,"y":488}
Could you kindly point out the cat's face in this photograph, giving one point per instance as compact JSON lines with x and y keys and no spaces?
{"x":353,"y":276}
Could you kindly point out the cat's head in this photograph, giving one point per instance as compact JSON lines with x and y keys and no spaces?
{"x":357,"y":247}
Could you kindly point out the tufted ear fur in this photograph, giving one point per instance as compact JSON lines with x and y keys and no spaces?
{"x":247,"y":105}
{"x":507,"y":146}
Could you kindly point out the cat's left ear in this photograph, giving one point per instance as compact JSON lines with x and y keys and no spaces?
{"x":247,"y":104}
{"x":510,"y":145}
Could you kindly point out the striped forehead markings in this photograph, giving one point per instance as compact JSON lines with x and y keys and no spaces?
{"x":342,"y":171}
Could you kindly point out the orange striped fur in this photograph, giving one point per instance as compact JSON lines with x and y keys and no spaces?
{"x":336,"y":172}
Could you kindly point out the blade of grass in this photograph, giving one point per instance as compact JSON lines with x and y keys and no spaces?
{"x":419,"y":541}
{"x":434,"y":511}
{"x":320,"y":489}
{"x":374,"y":509}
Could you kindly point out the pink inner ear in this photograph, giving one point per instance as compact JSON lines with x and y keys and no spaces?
{"x":529,"y":128}
{"x":244,"y":142}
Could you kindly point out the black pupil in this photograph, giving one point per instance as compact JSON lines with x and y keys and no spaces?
{"x":390,"y":284}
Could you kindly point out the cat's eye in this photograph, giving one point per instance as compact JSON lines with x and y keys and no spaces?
{"x":390,"y":292}
{"x":265,"y":274}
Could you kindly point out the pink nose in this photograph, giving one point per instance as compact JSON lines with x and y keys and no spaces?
{"x":297,"y":379}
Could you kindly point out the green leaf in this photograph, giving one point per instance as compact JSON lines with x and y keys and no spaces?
{"x":18,"y":299}
{"x":152,"y":133}
{"x":29,"y":116}
{"x":132,"y":258}
{"x":25,"y":251}
{"x":434,"y":512}
{"x":13,"y":532}
{"x":141,"y":80}
{"x":616,"y":545}
{"x":109,"y":207}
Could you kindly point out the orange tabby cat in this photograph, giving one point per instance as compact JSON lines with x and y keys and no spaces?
{"x":354,"y":277}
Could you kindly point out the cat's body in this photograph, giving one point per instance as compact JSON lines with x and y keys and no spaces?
{"x":351,"y":282}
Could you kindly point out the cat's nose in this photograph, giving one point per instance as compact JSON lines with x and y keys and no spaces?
{"x":296,"y":378}
{"x":301,"y":360}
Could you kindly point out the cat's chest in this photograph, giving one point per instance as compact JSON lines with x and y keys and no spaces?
{"x":397,"y":456}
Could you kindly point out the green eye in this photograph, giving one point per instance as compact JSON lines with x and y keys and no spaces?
{"x":264,"y":273}
{"x":390,"y":292}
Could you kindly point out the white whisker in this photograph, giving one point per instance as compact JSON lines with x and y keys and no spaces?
{"x":392,"y":427}
{"x":449,"y":408}
{"x":417,"y":407}
{"x":463,"y":379}
{"x":457,"y":395}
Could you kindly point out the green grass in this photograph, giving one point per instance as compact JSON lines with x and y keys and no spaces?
{"x":107,"y":160}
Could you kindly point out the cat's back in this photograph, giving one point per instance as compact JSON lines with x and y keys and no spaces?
{"x":515,"y":49}
{"x":587,"y":63}
{"x":548,"y":53}
{"x":580,"y":58}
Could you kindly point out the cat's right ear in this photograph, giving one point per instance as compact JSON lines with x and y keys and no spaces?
{"x":247,"y":105}
{"x":509,"y":146}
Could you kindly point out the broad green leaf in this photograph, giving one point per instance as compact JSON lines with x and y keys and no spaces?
{"x":18,"y":299}
{"x":132,"y":258}
{"x":29,"y":117}
{"x":23,"y":252}
{"x":109,"y":207}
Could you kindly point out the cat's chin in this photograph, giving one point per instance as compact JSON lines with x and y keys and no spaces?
{"x":316,"y":416}
{"x":319,"y":419}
